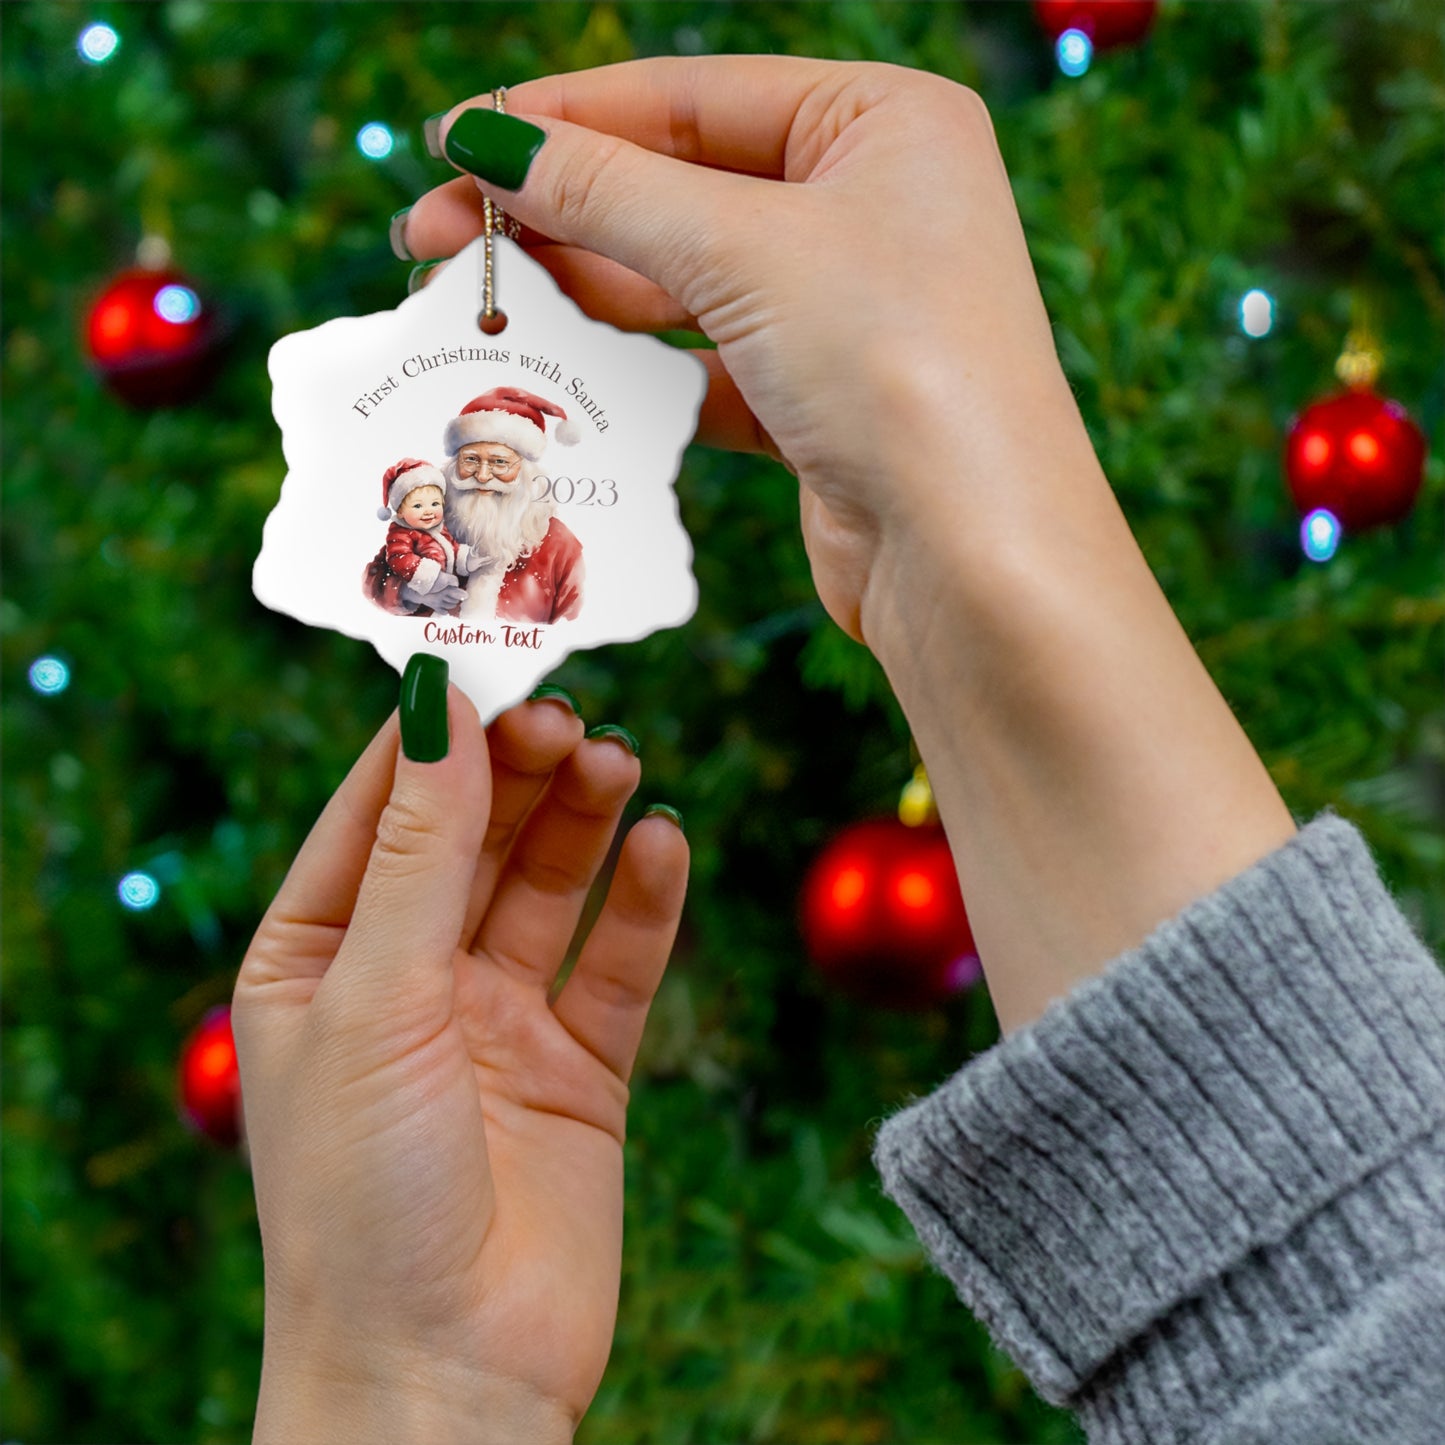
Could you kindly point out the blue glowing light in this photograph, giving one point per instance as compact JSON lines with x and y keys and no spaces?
{"x":375,"y":141}
{"x":1074,"y":51}
{"x":97,"y":44}
{"x":1319,"y":535}
{"x":177,"y":304}
{"x":138,"y":891}
{"x":1256,"y":313}
{"x":49,"y":675}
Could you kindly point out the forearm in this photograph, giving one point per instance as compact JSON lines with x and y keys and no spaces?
{"x":1091,"y":778}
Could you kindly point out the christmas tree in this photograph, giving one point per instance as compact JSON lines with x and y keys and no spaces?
{"x":168,"y":741}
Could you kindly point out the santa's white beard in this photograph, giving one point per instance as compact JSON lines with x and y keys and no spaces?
{"x":500,"y":522}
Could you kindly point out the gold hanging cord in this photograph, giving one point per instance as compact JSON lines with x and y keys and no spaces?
{"x":494,"y":220}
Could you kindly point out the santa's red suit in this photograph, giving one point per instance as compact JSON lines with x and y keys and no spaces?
{"x":547,"y":585}
{"x":409,"y":556}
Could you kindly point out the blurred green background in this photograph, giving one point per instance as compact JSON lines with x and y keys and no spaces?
{"x":770,"y":1292}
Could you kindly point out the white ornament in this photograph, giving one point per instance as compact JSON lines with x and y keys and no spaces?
{"x":583,"y":541}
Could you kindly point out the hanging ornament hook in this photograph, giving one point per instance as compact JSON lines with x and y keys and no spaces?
{"x":915,"y":804}
{"x":1359,"y":363}
{"x":153,"y":253}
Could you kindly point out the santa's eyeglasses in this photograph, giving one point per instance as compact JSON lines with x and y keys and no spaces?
{"x":469,"y":463}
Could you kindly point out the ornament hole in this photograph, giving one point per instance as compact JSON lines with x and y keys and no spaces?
{"x":492,"y":325}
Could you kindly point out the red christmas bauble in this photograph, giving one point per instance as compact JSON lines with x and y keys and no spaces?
{"x":210,"y":1080}
{"x":152,"y":338}
{"x":1107,"y":23}
{"x":1357,"y":455}
{"x":883,"y":917}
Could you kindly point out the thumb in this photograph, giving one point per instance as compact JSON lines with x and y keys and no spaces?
{"x":395,"y":964}
{"x":663,"y":218}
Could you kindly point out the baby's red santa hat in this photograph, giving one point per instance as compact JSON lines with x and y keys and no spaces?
{"x":509,"y":415}
{"x":406,"y":476}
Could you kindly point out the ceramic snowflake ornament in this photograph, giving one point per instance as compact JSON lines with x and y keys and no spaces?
{"x":498,"y":500}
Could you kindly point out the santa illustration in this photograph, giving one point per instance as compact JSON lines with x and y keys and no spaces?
{"x":421,"y":566}
{"x":534,"y":572}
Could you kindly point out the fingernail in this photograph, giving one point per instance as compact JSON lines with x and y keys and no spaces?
{"x":417,"y":279}
{"x":666,"y":812}
{"x":396,"y":233}
{"x":550,"y":689}
{"x":612,"y":730}
{"x":498,"y":148}
{"x":424,"y":709}
{"x":431,"y":133}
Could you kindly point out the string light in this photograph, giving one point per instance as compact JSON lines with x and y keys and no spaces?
{"x":966,"y":969}
{"x":97,"y":44}
{"x":49,"y":675}
{"x":1256,"y":313}
{"x":375,"y":141}
{"x":177,"y":304}
{"x":1074,"y":52}
{"x":1319,"y":535}
{"x":138,"y":891}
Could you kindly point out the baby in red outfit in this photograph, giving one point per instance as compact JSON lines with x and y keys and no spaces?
{"x":421,"y":566}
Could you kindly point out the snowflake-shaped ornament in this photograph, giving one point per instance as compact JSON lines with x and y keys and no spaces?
{"x":499,"y":501}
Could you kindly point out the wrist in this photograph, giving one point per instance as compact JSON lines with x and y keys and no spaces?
{"x":981,"y":529}
{"x":385,"y":1400}
{"x":1000,"y":470}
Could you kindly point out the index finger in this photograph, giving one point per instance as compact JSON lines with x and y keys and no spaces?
{"x":732,"y":112}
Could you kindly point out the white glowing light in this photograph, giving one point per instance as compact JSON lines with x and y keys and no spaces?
{"x":177,"y":304}
{"x":97,"y":44}
{"x":1319,"y":535}
{"x":49,"y":675}
{"x":375,"y":141}
{"x":1256,"y":313}
{"x":138,"y":891}
{"x":1074,"y":51}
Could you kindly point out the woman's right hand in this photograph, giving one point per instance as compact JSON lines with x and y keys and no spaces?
{"x":847,"y":235}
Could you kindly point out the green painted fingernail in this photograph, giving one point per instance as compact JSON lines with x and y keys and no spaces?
{"x":550,"y":689}
{"x":396,"y":234}
{"x":431,"y":133}
{"x":424,"y":736}
{"x":666,"y":812}
{"x":612,"y":730}
{"x":498,"y":148}
{"x":416,"y":280}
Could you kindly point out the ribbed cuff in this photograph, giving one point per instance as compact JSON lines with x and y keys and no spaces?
{"x":1201,"y":1157}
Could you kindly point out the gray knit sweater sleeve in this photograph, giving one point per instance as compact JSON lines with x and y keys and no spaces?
{"x":1202,"y":1199}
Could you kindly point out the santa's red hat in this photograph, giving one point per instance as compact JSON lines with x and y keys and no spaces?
{"x":406,"y":476}
{"x":509,"y":415}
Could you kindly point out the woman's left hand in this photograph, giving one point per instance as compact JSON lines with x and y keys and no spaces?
{"x":437,"y":1146}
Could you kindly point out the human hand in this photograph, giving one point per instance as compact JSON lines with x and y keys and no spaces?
{"x":878,"y":323}
{"x":847,"y":235}
{"x":470,"y":559}
{"x":440,"y":599}
{"x":436,"y":1147}
{"x":447,"y":594}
